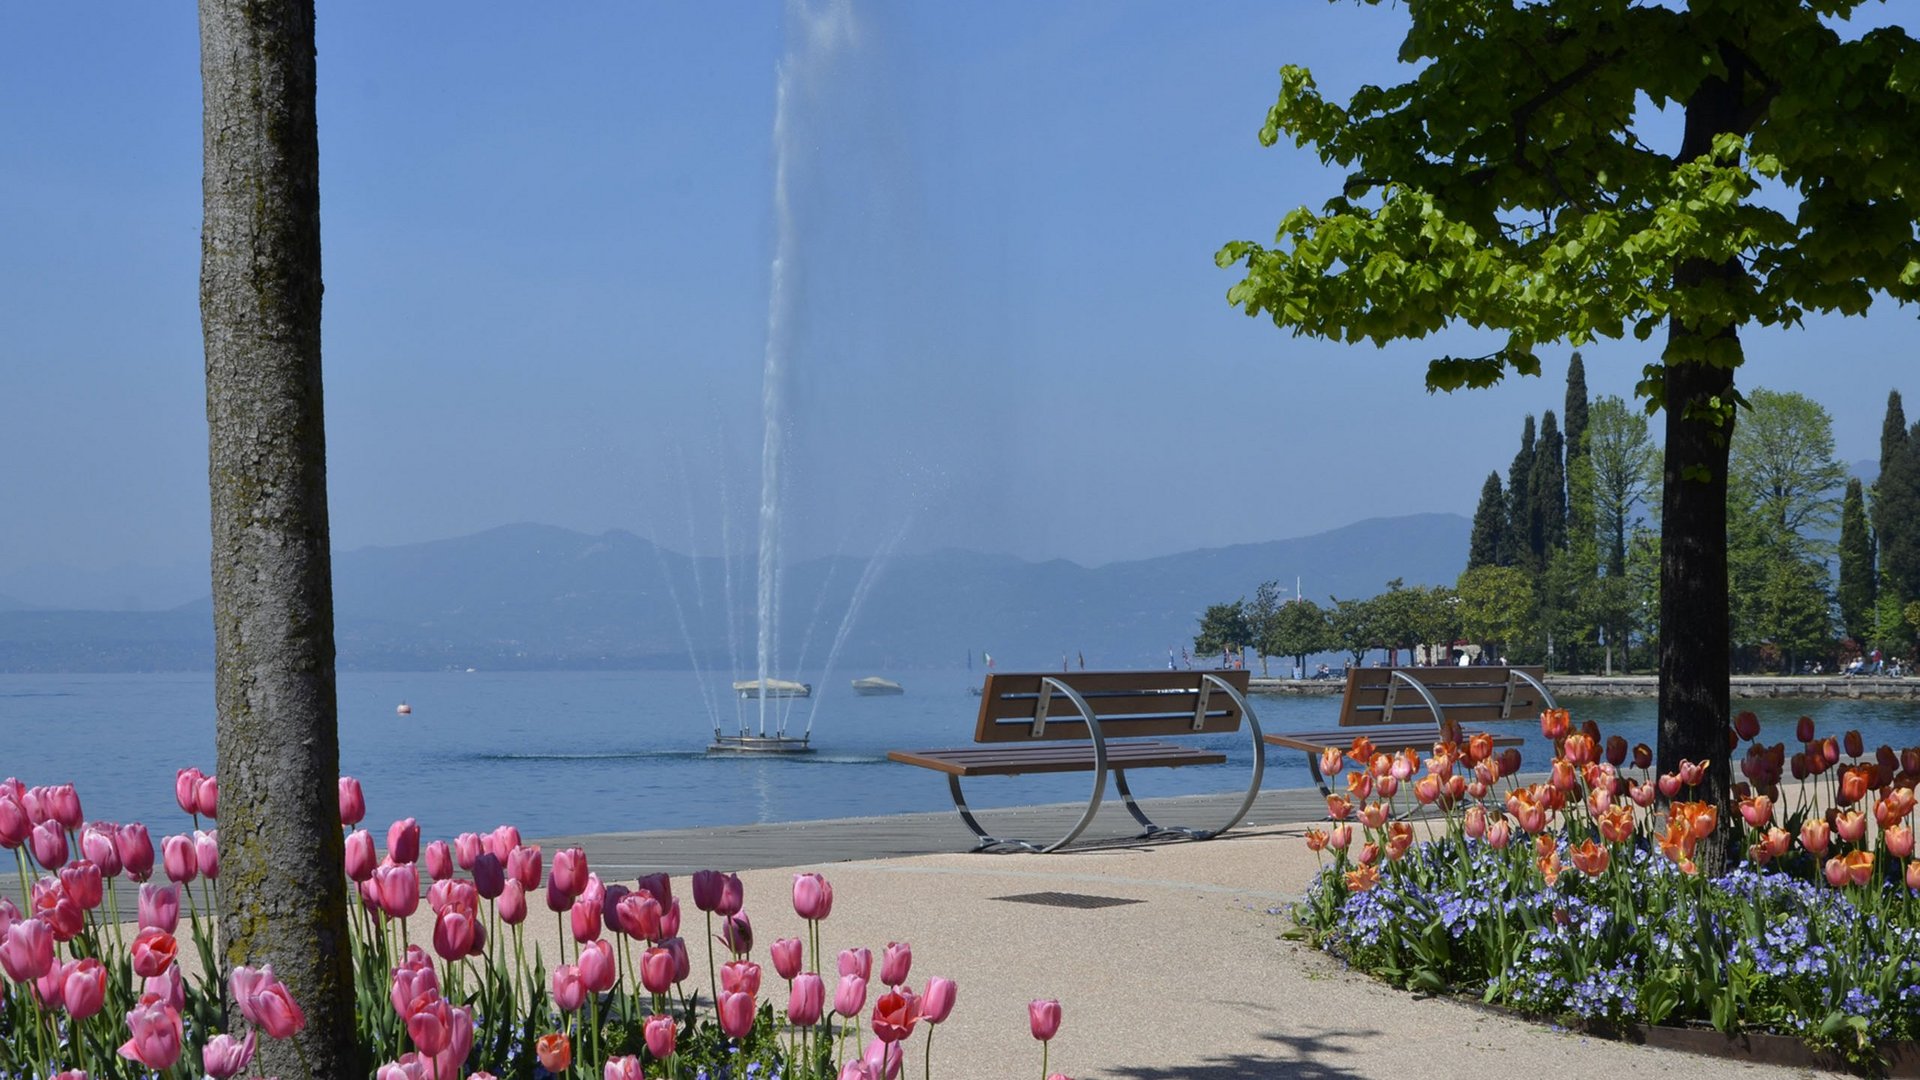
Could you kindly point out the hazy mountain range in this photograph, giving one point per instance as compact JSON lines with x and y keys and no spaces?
{"x":534,"y":596}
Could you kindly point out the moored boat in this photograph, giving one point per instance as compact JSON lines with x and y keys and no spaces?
{"x":875,"y":686}
{"x":745,"y":743}
{"x":775,"y":688}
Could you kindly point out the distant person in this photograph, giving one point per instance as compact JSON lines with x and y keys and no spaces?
{"x":1466,"y":658}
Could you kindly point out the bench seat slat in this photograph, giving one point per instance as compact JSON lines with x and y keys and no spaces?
{"x":1054,"y":758}
{"x":1386,"y":737}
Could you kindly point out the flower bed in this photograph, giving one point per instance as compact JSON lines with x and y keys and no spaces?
{"x":1582,"y":897}
{"x":91,"y":995}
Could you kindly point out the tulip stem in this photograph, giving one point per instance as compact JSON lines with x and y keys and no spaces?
{"x":712,"y":984}
{"x":1045,"y":1045}
{"x":927,"y":1054}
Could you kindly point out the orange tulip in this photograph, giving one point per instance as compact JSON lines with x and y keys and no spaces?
{"x":1859,"y":866}
{"x":1480,"y":748}
{"x":1331,"y":761}
{"x":1362,"y":879}
{"x":1375,"y":814}
{"x":1816,"y":835}
{"x":1545,"y":845}
{"x":1361,"y":751}
{"x":1853,"y":785}
{"x":1316,"y":840}
{"x":1487,"y":772}
{"x":1616,"y":825}
{"x":1580,"y":749}
{"x":1851,"y":825}
{"x":1359,"y":784}
{"x":1899,"y":841}
{"x":1387,"y":786}
{"x":1598,"y":800}
{"x":1478,"y":789}
{"x":1474,"y":824}
{"x":1549,"y":867}
{"x":1701,"y":818}
{"x":1895,"y":805}
{"x":1756,"y":810}
{"x":1399,"y":839}
{"x":1778,"y":841}
{"x":1913,"y":874}
{"x":1498,"y":833}
{"x":554,"y":1051}
{"x":1759,"y":854}
{"x":1339,"y":807}
{"x":1426,"y":789}
{"x":1380,"y":765}
{"x":1455,"y":787}
{"x":1562,"y":776}
{"x":1554,"y":723}
{"x":1590,"y":858}
{"x":1677,"y":842}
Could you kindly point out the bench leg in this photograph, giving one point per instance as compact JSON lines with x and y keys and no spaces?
{"x":1148,"y":828}
{"x":989,"y":842}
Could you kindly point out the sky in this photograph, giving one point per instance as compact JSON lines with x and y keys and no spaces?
{"x":549,"y":235}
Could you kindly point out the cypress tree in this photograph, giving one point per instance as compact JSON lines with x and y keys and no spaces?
{"x":1896,"y":507}
{"x":1576,"y":411}
{"x":1489,"y":522}
{"x":1547,"y":491}
{"x":1856,"y":592}
{"x":1514,"y":550}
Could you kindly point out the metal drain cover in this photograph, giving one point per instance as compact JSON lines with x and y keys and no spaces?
{"x":1068,"y":900}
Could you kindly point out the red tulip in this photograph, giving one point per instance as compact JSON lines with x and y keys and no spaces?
{"x":787,"y":957}
{"x":812,"y":897}
{"x":225,"y":1056}
{"x":1044,"y":1016}
{"x":894,"y":1016}
{"x":206,"y":848}
{"x":136,"y":850}
{"x":938,"y":1004}
{"x":98,"y":848}
{"x":353,"y":802}
{"x":156,"y":1034}
{"x":182,"y":860}
{"x":512,"y":904}
{"x":850,"y":996}
{"x":403,"y":841}
{"x":85,"y":990}
{"x":661,"y":1036}
{"x":554,"y":1051}
{"x":736,"y":1014}
{"x":153,"y":952}
{"x":805,"y":999}
{"x":439,"y":860}
{"x":569,"y":993}
{"x":49,"y":844}
{"x":895,"y":963}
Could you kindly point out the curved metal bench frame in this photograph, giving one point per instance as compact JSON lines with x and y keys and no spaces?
{"x":1433,"y":707}
{"x":1100,"y":770}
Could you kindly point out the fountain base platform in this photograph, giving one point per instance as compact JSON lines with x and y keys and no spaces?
{"x":759,"y":745}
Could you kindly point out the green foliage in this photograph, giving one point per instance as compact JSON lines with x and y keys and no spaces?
{"x":1354,"y":625}
{"x":1496,"y":606}
{"x":1782,"y":466}
{"x":1266,"y":601}
{"x":1547,"y":494}
{"x":1489,"y":525}
{"x":1577,"y":410}
{"x":1625,"y":466}
{"x":1856,"y":590}
{"x":1224,"y":627}
{"x":1297,"y":628}
{"x":1896,"y":506}
{"x":1516,"y":549}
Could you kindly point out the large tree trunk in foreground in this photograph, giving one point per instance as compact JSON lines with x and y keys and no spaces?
{"x":282,"y":897}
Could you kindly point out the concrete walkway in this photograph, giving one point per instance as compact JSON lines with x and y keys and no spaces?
{"x":1180,"y":971}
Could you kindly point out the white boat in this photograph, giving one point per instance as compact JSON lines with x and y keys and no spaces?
{"x":745,"y":743}
{"x":775,"y":688}
{"x":875,"y":686}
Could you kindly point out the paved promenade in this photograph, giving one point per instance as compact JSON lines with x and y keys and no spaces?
{"x":1169,"y":958}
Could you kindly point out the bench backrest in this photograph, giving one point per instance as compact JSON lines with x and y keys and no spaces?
{"x":1468,"y":695}
{"x":1020,"y":707}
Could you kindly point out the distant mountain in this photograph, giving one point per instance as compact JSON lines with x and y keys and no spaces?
{"x":533,"y":596}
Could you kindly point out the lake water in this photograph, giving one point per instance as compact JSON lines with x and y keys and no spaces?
{"x":567,"y":752}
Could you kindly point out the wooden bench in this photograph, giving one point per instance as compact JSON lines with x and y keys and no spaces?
{"x":1401,"y":707}
{"x":1098,"y":722}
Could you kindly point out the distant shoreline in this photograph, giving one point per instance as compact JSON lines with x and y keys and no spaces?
{"x":1742,"y":687}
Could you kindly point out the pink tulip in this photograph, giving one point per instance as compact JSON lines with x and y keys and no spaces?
{"x":439,"y":860}
{"x":71,"y":1074}
{"x":153,"y":952}
{"x":512,"y":904}
{"x":938,"y":1004}
{"x":1900,"y":841}
{"x":61,"y":914}
{"x":737,"y":934}
{"x":857,"y":1069}
{"x":399,"y":889}
{"x":489,"y":877}
{"x":156,"y":1034}
{"x":1044,"y":1016}
{"x":85,"y":990}
{"x":49,"y":844}
{"x":186,"y":783}
{"x":623,"y":1068}
{"x":226,"y":1056}
{"x":883,"y":1059}
{"x":167,"y":987}
{"x":598,"y":972}
{"x":569,"y":872}
{"x":805,"y":998}
{"x":466,"y":849}
{"x":639,"y":916}
{"x":182,"y":860}
{"x":523,"y":866}
{"x":353,"y":802}
{"x":98,"y":848}
{"x":502,"y":840}
{"x":787,"y":957}
{"x":136,"y":850}
{"x":895,"y":962}
{"x":656,"y":970}
{"x":856,"y":962}
{"x":448,"y":1061}
{"x":159,"y":907}
{"x":361,"y":859}
{"x":206,"y":797}
{"x":411,"y":981}
{"x":51,"y":988}
{"x":15,"y":824}
{"x":430,"y":1024}
{"x":661,"y":1035}
{"x":740,"y":976}
{"x":670,"y":920}
{"x":453,"y":935}
{"x":410,"y":1066}
{"x":403,"y":841}
{"x":850,"y":996}
{"x":206,"y":848}
{"x":1836,"y":872}
{"x":568,"y":992}
{"x":83,"y":884}
{"x":812,"y":897}
{"x":736,"y":1014}
{"x":584,"y":917}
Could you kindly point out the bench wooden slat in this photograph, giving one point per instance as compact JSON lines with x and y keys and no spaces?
{"x":1386,"y":738}
{"x":1128,"y":704}
{"x":1054,"y":757}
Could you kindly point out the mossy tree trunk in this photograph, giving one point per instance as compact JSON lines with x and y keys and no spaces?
{"x":282,"y":897}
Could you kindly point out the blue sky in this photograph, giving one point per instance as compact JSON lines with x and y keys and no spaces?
{"x":547,"y":233}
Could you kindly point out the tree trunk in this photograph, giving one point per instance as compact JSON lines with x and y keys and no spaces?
{"x":282,"y":897}
{"x":1695,"y":646}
